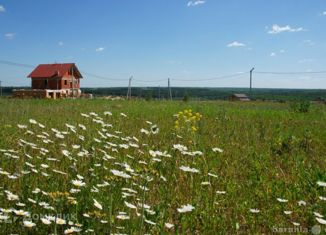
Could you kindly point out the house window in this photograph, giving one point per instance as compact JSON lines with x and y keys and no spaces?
{"x":45,"y":82}
{"x":65,"y":82}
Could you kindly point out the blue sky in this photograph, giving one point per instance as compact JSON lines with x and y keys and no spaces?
{"x":187,"y":41}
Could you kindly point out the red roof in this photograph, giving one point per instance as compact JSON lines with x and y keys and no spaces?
{"x":54,"y":70}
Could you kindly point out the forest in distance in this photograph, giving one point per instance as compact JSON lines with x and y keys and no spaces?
{"x":206,"y":93}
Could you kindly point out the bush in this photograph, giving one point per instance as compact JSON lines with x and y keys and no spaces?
{"x":300,"y":106}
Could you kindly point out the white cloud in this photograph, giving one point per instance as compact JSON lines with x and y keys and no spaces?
{"x":236,"y":44}
{"x":324,"y":13}
{"x":282,"y":51}
{"x":2,"y":9}
{"x":99,"y":49}
{"x":273,"y":54}
{"x":280,"y":29}
{"x":10,"y":35}
{"x":195,"y":3}
{"x":60,"y":43}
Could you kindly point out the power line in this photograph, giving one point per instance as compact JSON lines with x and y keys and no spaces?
{"x":291,"y":73}
{"x":16,"y":64}
{"x":101,"y":77}
{"x":211,"y":79}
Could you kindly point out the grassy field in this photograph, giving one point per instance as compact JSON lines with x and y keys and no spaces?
{"x":96,"y":166}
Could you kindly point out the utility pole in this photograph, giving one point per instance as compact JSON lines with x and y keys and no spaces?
{"x":129,"y":89}
{"x":251,"y":79}
{"x":169,"y":87}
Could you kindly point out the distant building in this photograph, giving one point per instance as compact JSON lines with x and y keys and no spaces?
{"x":53,"y":81}
{"x":239,"y":97}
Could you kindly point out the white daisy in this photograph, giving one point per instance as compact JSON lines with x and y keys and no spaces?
{"x":97,"y":204}
{"x":188,"y":169}
{"x":29,"y":224}
{"x":185,"y":208}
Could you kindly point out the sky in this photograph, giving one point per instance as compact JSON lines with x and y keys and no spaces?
{"x":198,"y":43}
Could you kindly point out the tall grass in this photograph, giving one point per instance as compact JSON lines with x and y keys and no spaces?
{"x":269,"y":152}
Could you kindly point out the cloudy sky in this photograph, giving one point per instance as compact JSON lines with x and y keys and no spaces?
{"x":195,"y":43}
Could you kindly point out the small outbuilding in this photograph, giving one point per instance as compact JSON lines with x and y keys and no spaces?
{"x":239,"y":97}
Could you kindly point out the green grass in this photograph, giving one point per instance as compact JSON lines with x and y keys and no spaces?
{"x":269,"y":152}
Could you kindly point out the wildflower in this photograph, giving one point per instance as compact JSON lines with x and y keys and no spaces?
{"x":21,"y":126}
{"x":59,"y":136}
{"x":123,"y":114}
{"x":220,"y":192}
{"x":217,"y":150}
{"x":322,"y":184}
{"x":21,"y":212}
{"x":20,"y":204}
{"x":122,"y":216}
{"x":281,"y":200}
{"x":31,"y":200}
{"x":254,"y":211}
{"x":131,"y":206}
{"x":296,"y":224}
{"x":84,"y":115}
{"x":185,"y":208}
{"x":73,"y":190}
{"x":107,"y":113}
{"x":322,"y":198}
{"x":46,"y":221}
{"x":4,"y":217}
{"x":213,"y":175}
{"x":41,"y":125}
{"x":6,"y":210}
{"x":154,"y":129}
{"x":180,"y":147}
{"x":60,"y":221}
{"x":11,"y":196}
{"x":83,"y":127}
{"x":318,"y":215}
{"x":188,"y":169}
{"x":302,"y":203}
{"x":120,"y":174}
{"x":72,"y":230}
{"x":78,"y":183}
{"x":146,"y":132}
{"x":288,"y":212}
{"x":320,"y":220}
{"x":75,"y":146}
{"x":36,"y":191}
{"x":168,"y":225}
{"x":149,"y":222}
{"x":86,"y":215}
{"x":66,"y":153}
{"x":97,"y":204}
{"x":32,"y":121}
{"x":29,"y":224}
{"x":93,"y":114}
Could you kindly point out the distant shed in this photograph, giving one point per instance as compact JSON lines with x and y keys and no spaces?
{"x":239,"y":97}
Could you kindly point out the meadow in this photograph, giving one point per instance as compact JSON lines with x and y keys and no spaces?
{"x":160,"y":167}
